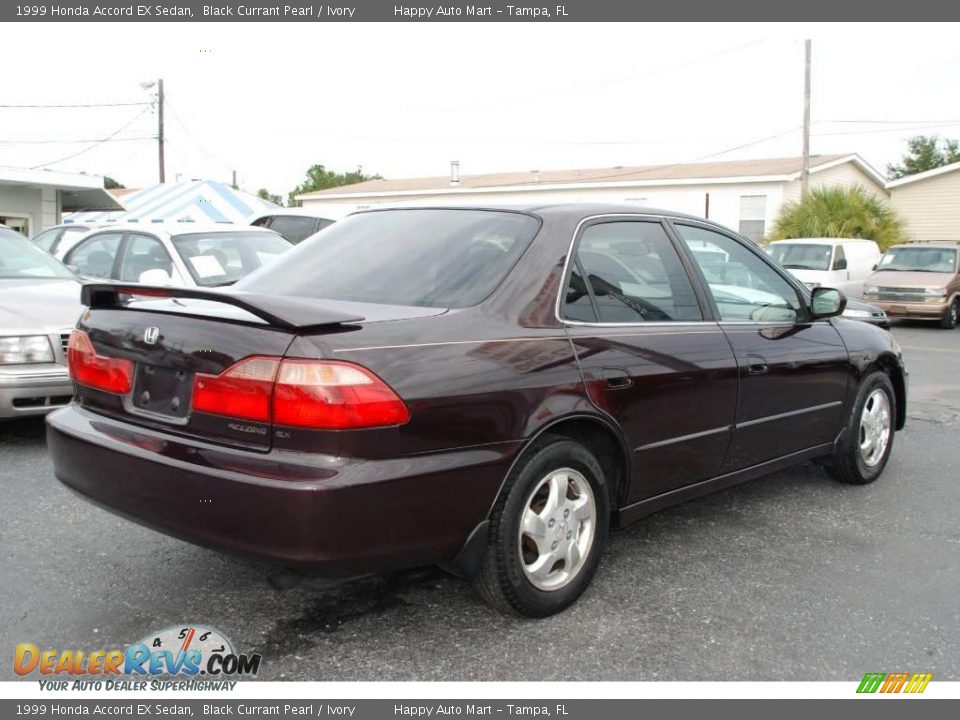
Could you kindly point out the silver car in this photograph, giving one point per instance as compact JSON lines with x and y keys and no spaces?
{"x":39,"y":305}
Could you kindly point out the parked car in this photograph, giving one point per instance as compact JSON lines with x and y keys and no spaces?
{"x":295,"y":224}
{"x":919,"y":281}
{"x":840,"y":263}
{"x":468,"y":387}
{"x":39,"y":305}
{"x":865,"y":312}
{"x":60,"y":239}
{"x":175,"y":254}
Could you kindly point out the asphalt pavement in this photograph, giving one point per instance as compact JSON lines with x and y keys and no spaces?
{"x":791,"y":577}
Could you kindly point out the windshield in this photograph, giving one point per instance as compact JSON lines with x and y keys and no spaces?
{"x":796,"y":256}
{"x":424,"y":258}
{"x":22,"y":260}
{"x":222,"y":258}
{"x":919,"y":259}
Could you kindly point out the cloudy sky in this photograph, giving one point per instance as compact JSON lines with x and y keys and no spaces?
{"x":269,"y":100}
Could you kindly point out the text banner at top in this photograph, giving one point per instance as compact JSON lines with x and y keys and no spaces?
{"x":404,"y":11}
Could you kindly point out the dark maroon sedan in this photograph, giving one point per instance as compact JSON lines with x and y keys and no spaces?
{"x":485,"y":389}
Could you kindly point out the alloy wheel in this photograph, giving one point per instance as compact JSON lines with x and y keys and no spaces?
{"x":875,"y":427}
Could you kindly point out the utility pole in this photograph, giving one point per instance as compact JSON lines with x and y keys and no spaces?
{"x":805,"y":172}
{"x":163,"y":172}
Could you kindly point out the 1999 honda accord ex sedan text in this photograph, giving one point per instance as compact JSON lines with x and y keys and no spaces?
{"x":484,"y":389}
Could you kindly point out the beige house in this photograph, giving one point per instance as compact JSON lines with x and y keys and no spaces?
{"x":929,"y":203}
{"x":745,"y":195}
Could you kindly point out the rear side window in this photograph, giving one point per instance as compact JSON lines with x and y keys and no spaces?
{"x":425,"y":258}
{"x":633,"y":274}
{"x":48,"y":239}
{"x":294,"y":228}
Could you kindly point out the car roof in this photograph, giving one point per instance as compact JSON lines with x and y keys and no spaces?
{"x":571,"y":210}
{"x":945,"y":244}
{"x":322,"y":214}
{"x":181,"y":228}
{"x":820,"y":241}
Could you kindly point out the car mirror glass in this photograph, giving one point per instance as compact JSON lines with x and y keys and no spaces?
{"x":827,"y":302}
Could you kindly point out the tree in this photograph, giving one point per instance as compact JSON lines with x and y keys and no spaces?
{"x":319,"y":178}
{"x":265,"y":194}
{"x":110,"y":184}
{"x":840,"y":212}
{"x":924,"y":152}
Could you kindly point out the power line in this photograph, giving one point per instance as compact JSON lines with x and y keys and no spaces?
{"x":75,"y":142}
{"x":79,"y":105}
{"x":750,"y":144}
{"x":96,"y":144}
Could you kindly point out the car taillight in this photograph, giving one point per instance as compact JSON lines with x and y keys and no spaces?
{"x":319,"y":394}
{"x":334,"y":395}
{"x":243,"y":390}
{"x":113,"y":375}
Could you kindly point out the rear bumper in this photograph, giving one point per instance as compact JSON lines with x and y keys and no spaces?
{"x":328,"y":514}
{"x":29,"y":390}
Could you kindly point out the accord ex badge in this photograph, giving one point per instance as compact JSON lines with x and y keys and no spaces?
{"x":151,"y":335}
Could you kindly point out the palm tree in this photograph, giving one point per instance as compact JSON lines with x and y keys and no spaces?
{"x":840,"y":212}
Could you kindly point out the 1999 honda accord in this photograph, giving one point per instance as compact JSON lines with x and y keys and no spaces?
{"x":484,"y":389}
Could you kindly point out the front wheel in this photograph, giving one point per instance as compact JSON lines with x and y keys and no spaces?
{"x":862,"y":453}
{"x":547,"y":531}
{"x":952,"y":316}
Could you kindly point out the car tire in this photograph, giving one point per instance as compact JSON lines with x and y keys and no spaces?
{"x":862,"y":453}
{"x":952,"y":316}
{"x":548,"y":530}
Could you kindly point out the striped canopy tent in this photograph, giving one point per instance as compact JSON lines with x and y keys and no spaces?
{"x":202,"y":201}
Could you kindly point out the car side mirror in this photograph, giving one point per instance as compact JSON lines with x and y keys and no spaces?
{"x":827,"y":302}
{"x":874,"y":268}
{"x":156,"y":276}
{"x":840,"y":264}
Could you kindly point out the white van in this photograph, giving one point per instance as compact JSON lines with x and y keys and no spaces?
{"x":842,"y":263}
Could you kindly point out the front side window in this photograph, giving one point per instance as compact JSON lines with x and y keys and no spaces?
{"x":744,"y":287}
{"x":632,"y":273}
{"x":295,"y":228}
{"x":442,"y":258}
{"x":94,"y":257}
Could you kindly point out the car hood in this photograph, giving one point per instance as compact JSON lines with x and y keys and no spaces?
{"x":897,"y":278}
{"x":38,"y":306}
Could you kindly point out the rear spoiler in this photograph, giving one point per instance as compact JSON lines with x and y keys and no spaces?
{"x":281,"y":311}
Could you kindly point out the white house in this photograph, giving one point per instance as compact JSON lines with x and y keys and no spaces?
{"x":31,"y":200}
{"x":929,"y":203}
{"x":742,"y":194}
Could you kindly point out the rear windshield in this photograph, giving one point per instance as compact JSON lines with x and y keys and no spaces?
{"x":22,"y":260}
{"x":919,"y":259}
{"x":222,"y":258}
{"x":423,"y":258}
{"x":796,"y":256}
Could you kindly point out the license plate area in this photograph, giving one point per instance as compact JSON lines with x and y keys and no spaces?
{"x":162,"y":391}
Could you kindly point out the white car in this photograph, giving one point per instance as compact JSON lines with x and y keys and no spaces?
{"x":59,"y":239}
{"x":179,"y":254}
{"x":842,"y":263}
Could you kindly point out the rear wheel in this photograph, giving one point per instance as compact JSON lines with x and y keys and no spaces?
{"x":547,"y":531}
{"x":952,"y":316}
{"x":861,"y":455}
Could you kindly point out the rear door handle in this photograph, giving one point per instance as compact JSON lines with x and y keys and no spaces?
{"x":617,"y":378}
{"x":757,"y":365}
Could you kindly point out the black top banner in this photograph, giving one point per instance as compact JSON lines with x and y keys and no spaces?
{"x":854,"y":11}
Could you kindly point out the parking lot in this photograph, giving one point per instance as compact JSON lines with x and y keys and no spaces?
{"x":792,"y":577}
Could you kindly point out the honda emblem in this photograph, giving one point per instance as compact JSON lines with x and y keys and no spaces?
{"x":151,"y":335}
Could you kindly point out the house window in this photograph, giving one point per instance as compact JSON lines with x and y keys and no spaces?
{"x":753,"y":213}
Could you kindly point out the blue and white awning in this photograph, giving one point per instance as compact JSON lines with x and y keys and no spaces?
{"x":203,"y":201}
